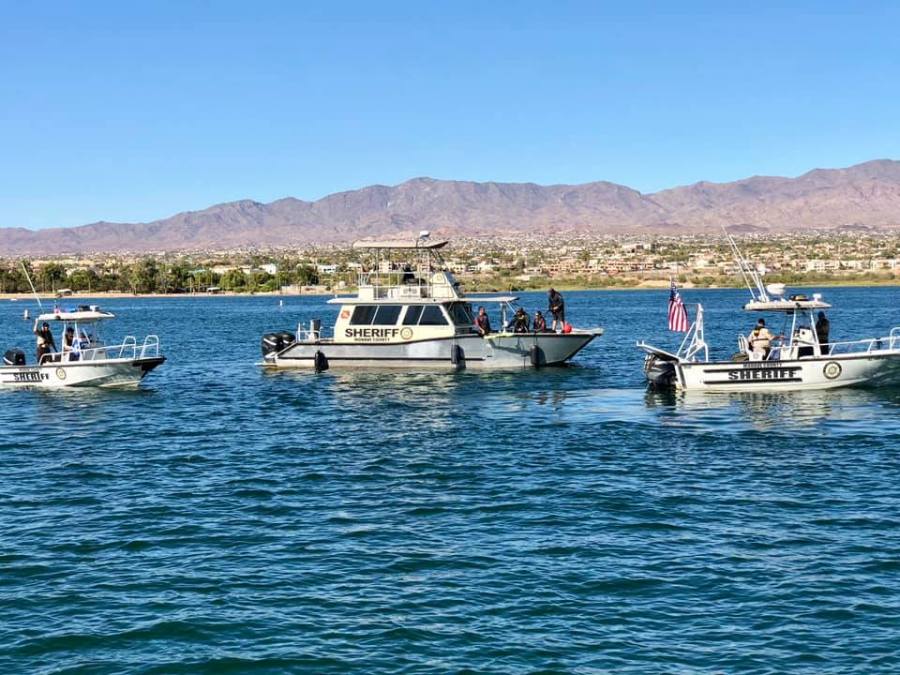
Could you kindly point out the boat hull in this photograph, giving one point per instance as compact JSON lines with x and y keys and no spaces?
{"x":498,"y":351}
{"x":109,"y":373}
{"x":826,"y":372}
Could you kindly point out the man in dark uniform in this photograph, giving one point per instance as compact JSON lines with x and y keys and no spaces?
{"x":557,"y":308}
{"x":45,"y":342}
{"x":823,"y":327}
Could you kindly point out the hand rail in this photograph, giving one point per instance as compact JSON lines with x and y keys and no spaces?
{"x":694,"y":342}
{"x":866,"y":344}
{"x":128,"y":349}
{"x":308,"y":335}
{"x":130,"y":342}
{"x":150,"y":348}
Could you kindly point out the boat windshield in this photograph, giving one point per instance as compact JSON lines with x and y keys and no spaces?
{"x":377,"y":315}
{"x":461,"y":313}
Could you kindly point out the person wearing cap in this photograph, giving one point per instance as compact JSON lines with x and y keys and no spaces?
{"x":760,"y":339}
{"x":45,"y":342}
{"x":539,"y":325}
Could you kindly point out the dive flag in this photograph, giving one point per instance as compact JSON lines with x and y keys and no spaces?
{"x":678,"y":318}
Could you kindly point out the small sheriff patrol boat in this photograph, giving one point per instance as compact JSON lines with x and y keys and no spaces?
{"x":81,"y":358}
{"x":794,"y":360}
{"x":416,"y":316}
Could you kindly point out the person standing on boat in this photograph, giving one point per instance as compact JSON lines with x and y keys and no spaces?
{"x":539,"y":325}
{"x":45,"y":342}
{"x":408,"y":276}
{"x":761,"y":339}
{"x":483,"y":322}
{"x":68,"y":339}
{"x":823,"y":327}
{"x":557,"y":308}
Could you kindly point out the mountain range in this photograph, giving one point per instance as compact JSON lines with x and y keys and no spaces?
{"x":864,"y":196}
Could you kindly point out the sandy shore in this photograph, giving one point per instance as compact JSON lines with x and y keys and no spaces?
{"x":654,"y":284}
{"x":85,"y":296}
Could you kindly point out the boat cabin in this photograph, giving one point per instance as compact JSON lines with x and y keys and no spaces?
{"x":409,"y":300}
{"x":798,"y":333}
{"x":78,"y":335}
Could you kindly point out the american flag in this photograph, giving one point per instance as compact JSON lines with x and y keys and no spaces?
{"x":678,"y":318}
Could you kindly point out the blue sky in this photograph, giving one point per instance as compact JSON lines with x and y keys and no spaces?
{"x":135,"y":111}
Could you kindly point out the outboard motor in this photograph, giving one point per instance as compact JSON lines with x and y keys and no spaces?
{"x":271,"y":344}
{"x":661,"y":374}
{"x":287,"y":338}
{"x":274,"y":343}
{"x":14,"y":357}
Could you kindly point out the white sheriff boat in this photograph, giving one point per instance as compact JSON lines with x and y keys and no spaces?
{"x":82,"y":359}
{"x":416,"y":316}
{"x":795,"y":360}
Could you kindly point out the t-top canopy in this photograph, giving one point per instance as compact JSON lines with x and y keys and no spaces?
{"x":82,"y":313}
{"x":408,"y":244}
{"x":784,"y":305}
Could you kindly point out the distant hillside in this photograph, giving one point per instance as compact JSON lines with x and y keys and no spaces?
{"x":862,"y":196}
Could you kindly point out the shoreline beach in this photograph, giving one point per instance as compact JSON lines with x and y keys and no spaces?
{"x":653,"y":285}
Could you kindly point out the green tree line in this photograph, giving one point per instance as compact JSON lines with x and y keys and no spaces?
{"x":150,"y":275}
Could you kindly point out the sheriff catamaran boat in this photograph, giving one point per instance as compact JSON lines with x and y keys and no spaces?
{"x":416,"y":316}
{"x":798,"y":362}
{"x":84,"y":360}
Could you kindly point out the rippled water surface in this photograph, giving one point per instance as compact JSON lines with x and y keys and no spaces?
{"x":224,"y":518}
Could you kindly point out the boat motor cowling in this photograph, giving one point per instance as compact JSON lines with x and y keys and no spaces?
{"x":660,"y":372}
{"x":274,"y":343}
{"x":14,"y":357}
{"x":287,"y":337}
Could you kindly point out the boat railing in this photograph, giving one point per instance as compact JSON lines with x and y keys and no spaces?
{"x":128,"y":349}
{"x":387,"y":284}
{"x":693,"y":347}
{"x":402,"y":292}
{"x":150,"y":348}
{"x":306,"y":333}
{"x":407,"y":284}
{"x":864,"y":346}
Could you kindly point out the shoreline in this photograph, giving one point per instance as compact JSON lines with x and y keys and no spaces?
{"x":653,"y":286}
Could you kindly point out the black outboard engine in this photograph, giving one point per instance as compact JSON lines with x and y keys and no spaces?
{"x":660,"y":373}
{"x":14,"y":357}
{"x":287,"y":338}
{"x":275,"y":343}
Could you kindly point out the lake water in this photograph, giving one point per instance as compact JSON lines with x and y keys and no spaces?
{"x":227,"y":519}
